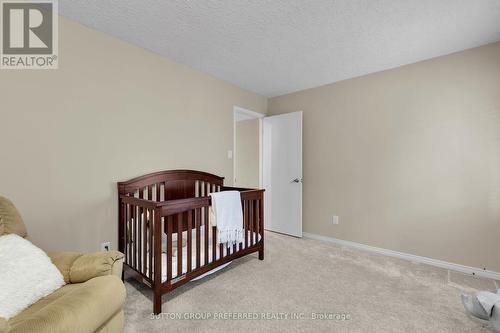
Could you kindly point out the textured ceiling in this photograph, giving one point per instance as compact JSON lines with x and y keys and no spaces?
{"x":274,"y":47}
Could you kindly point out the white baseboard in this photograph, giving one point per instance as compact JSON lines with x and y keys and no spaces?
{"x":407,"y":256}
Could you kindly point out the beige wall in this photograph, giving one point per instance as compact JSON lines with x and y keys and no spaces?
{"x":111,"y":112}
{"x":247,"y":153}
{"x":408,"y":158}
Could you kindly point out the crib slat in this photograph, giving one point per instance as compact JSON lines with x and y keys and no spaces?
{"x":179,"y":244}
{"x":257,"y":220}
{"x":130,"y":250}
{"x":125,"y":225}
{"x":134,"y":238}
{"x":150,"y":192}
{"x":197,"y":226}
{"x":145,"y":241}
{"x":207,"y":188}
{"x":221,"y":251}
{"x":127,"y":243}
{"x":214,"y":244}
{"x":137,"y":227}
{"x":140,"y":220}
{"x":245,"y":222}
{"x":121,"y":221}
{"x":261,"y":222}
{"x":135,"y":216}
{"x":205,"y":223}
{"x":150,"y":243}
{"x":240,"y":244}
{"x":121,"y":227}
{"x":250,"y":212}
{"x":169,"y":246}
{"x":189,"y":239}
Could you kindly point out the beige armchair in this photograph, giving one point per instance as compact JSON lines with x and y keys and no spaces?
{"x":92,"y":299}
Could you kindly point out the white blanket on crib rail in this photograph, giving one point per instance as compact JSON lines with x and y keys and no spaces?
{"x":227,"y":215}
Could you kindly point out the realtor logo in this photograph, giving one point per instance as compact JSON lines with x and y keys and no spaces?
{"x":29,"y":35}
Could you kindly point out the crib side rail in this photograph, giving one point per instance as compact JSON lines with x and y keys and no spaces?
{"x":138,"y":201}
{"x":239,"y":189}
{"x":201,"y":250}
{"x":182,"y":205}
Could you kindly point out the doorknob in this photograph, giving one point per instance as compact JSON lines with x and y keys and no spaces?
{"x":296,"y":180}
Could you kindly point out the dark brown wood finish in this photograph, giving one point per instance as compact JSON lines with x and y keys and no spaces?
{"x":179,"y":244}
{"x":146,"y":211}
{"x":169,"y":246}
{"x":245,"y":221}
{"x":134,"y":234}
{"x":157,"y":283}
{"x":150,"y":243}
{"x":206,"y":229}
{"x":139,"y":238}
{"x":198,"y":236}
{"x":250,"y":219}
{"x":189,"y":240}
{"x":145,"y":242}
{"x":214,"y":244}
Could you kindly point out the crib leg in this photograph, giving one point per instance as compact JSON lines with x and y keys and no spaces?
{"x":261,"y":254}
{"x":157,"y":302}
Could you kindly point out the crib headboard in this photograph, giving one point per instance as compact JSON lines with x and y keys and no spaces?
{"x":171,"y":185}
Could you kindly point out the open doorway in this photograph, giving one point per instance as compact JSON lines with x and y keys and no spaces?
{"x":247,"y":145}
{"x":267,"y":153}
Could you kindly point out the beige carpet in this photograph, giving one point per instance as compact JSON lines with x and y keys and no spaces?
{"x":299,"y":277}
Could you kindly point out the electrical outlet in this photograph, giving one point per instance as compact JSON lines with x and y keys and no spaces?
{"x":335,"y":219}
{"x":230,"y":154}
{"x":106,"y":246}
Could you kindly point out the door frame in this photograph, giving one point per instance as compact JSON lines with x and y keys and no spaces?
{"x":240,"y":113}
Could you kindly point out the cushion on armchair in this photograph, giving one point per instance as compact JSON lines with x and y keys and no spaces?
{"x":64,"y":261}
{"x":92,"y":265}
{"x":10,"y":219}
{"x":79,"y":267}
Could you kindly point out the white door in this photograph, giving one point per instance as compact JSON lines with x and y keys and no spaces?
{"x":282,"y":173}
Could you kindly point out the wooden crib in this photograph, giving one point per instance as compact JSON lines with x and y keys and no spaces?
{"x":155,"y":207}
